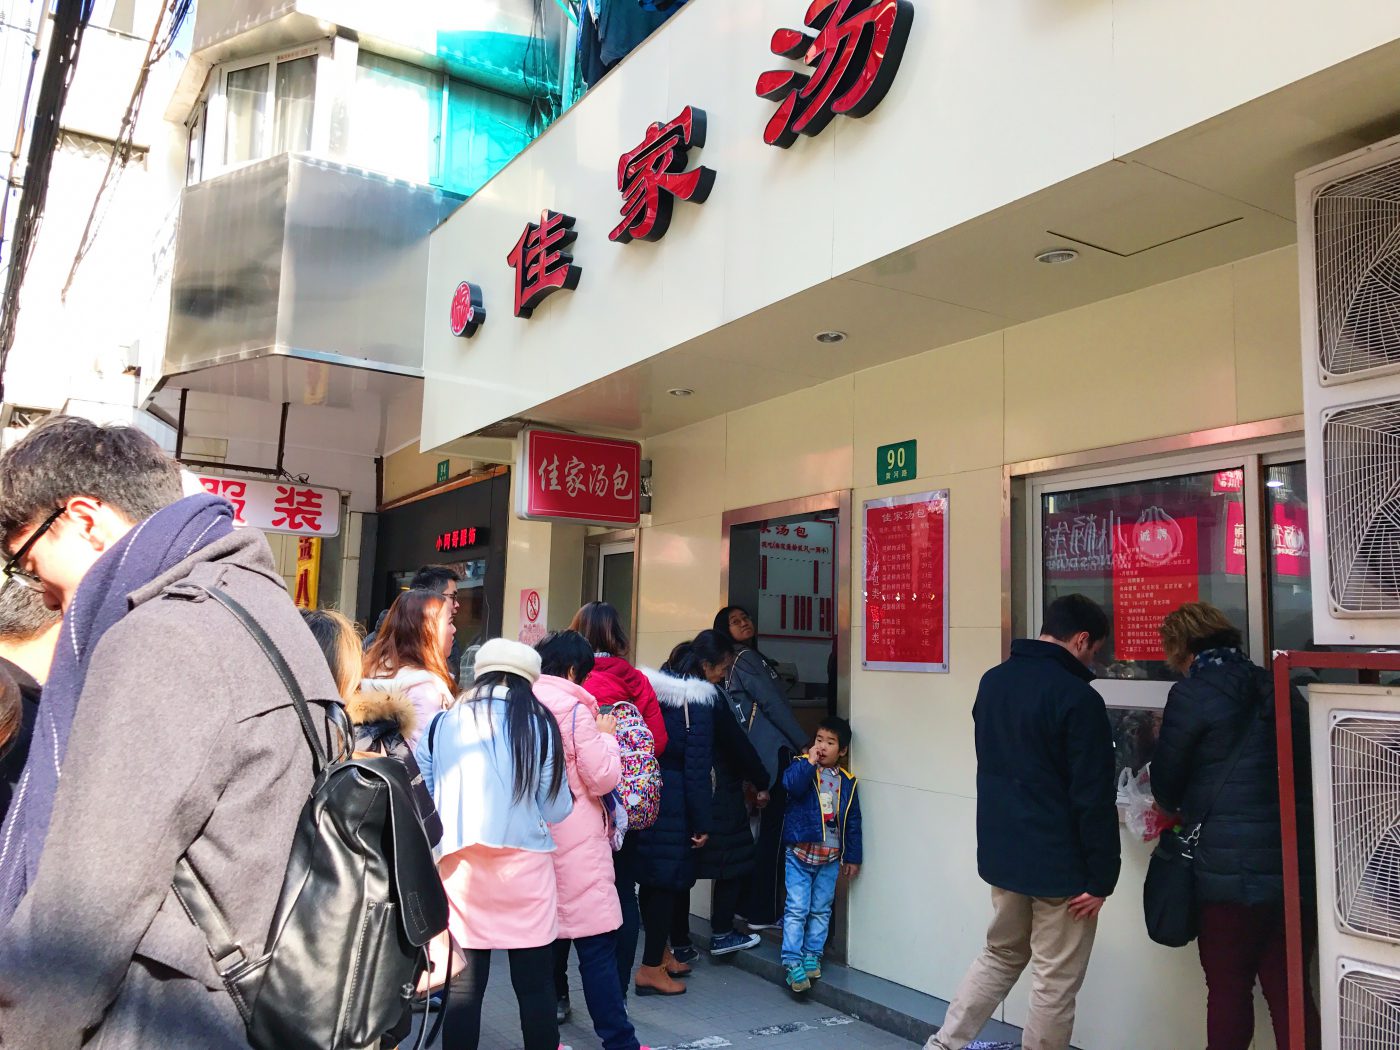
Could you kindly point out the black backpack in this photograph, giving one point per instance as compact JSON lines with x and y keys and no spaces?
{"x":360,"y":899}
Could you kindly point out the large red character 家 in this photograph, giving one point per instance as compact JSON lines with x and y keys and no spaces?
{"x":854,"y":58}
{"x":653,"y":174}
{"x":542,"y":267}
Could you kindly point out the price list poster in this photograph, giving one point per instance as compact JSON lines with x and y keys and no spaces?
{"x":906,"y":583}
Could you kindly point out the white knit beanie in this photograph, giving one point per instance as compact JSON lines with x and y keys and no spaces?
{"x":501,"y":654}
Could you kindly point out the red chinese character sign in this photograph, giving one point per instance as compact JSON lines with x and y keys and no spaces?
{"x":468,"y":314}
{"x":854,"y":56}
{"x":906,"y":583}
{"x":541,"y":265}
{"x":571,"y":477}
{"x":279,"y":506}
{"x":1156,"y":569}
{"x":652,"y":176}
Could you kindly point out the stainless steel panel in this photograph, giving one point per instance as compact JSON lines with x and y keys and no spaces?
{"x":297,"y":257}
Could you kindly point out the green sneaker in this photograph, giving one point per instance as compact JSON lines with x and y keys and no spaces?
{"x":813,"y":965}
{"x":797,"y":978}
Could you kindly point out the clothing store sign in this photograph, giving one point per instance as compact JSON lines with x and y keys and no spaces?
{"x":906,"y":583}
{"x":576,"y":478}
{"x":278,"y":506}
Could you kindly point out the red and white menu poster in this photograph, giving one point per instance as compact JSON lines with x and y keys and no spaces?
{"x":1156,"y":569}
{"x":906,"y":583}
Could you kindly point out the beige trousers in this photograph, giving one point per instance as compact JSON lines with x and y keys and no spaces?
{"x":1035,"y":930}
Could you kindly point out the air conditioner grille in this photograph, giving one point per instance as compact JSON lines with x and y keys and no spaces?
{"x":1357,"y":255}
{"x":1369,"y":1011}
{"x":1361,"y":474}
{"x":1365,"y":764}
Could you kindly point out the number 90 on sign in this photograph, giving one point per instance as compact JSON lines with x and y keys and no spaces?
{"x":897,"y":462}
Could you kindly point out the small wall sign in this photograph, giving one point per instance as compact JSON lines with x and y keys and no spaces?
{"x":897,"y":462}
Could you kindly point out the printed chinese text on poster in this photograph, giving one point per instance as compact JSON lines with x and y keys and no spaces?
{"x":796,"y":580}
{"x":906,"y":583}
{"x":573,"y":477}
{"x":1156,"y":569}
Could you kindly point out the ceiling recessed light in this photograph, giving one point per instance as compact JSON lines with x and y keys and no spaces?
{"x":831,"y":336}
{"x":1057,"y":255}
{"x":680,"y":391}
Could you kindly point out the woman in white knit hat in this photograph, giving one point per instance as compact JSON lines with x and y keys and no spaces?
{"x":495,"y":766}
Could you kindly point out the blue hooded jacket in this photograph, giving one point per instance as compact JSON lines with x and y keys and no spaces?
{"x":802,"y":821}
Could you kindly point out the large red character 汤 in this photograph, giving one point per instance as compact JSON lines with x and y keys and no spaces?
{"x":542,"y":267}
{"x":854,"y":58}
{"x":653,"y":174}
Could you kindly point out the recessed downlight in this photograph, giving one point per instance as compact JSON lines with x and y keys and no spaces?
{"x":1055,"y":256}
{"x":830,"y":336}
{"x":680,"y":391}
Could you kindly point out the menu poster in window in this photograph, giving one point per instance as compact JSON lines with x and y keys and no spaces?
{"x":1288,"y":537}
{"x":906,"y":583}
{"x":796,"y":581}
{"x":1156,"y":569}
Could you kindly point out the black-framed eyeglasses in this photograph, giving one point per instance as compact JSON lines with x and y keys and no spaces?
{"x":12,"y":570}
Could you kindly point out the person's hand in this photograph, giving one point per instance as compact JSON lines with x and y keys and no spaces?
{"x":698,"y":841}
{"x":850,"y":871}
{"x":812,"y":757}
{"x":762,"y":799}
{"x":1085,"y":906}
{"x":607,"y":724}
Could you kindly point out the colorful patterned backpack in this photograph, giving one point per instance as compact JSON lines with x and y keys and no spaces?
{"x":636,"y":801}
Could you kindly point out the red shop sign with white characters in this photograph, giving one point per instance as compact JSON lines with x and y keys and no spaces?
{"x":1156,"y":569}
{"x":572,"y":477}
{"x":906,"y":583}
{"x":278,"y":506}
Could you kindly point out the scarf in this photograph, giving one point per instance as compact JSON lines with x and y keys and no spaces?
{"x":147,"y":552}
{"x":1219,"y":657}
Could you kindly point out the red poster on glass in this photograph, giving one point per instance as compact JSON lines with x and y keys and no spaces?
{"x":1288,"y":537}
{"x":906,"y":583}
{"x":1156,"y":568}
{"x":572,"y":477}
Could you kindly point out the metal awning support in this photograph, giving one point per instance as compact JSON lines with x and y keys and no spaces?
{"x":278,"y":471}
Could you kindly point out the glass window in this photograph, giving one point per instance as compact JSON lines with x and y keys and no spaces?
{"x":194,"y":160}
{"x":1141,"y":549}
{"x":1290,"y":565}
{"x":296,"y":101}
{"x":396,"y":127}
{"x":246,"y":91}
{"x":484,"y":131}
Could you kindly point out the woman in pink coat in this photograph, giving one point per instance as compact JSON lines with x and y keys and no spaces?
{"x":589,"y":913}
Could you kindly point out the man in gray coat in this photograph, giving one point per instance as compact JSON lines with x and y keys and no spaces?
{"x":173,"y":735}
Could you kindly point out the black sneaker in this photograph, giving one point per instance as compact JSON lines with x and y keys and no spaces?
{"x":731,"y":942}
{"x":686,"y":954}
{"x":562,"y":1009}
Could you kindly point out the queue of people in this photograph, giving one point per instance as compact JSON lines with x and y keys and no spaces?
{"x":554,"y":838}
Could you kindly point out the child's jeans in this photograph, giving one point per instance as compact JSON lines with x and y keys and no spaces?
{"x":811,"y":890}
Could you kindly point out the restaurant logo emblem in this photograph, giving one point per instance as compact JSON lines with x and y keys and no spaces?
{"x":468,"y":314}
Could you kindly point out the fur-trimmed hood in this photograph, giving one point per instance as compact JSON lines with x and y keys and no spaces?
{"x":673,"y":691}
{"x":371,"y":706}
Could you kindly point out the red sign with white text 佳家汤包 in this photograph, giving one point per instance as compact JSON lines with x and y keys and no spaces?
{"x":278,"y":506}
{"x":906,"y":583}
{"x":573,"y":477}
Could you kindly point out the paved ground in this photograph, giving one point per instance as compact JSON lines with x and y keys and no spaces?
{"x":724,"y":1007}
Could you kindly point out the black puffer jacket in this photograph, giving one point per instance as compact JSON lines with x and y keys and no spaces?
{"x":1239,"y":858}
{"x":665,"y":857}
{"x":730,"y":851}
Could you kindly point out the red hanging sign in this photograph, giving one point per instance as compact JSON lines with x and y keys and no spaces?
{"x":854,"y":57}
{"x":571,"y":477}
{"x":541,"y":265}
{"x":906,"y":583}
{"x":652,"y":175}
{"x":1156,"y":569}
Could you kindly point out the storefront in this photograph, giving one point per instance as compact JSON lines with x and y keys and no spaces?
{"x":1063,"y":289}
{"x":464,"y":528}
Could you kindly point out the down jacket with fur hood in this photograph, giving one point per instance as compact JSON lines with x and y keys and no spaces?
{"x":583,"y":865}
{"x":665,"y":858}
{"x":384,"y":723}
{"x":425,"y":691}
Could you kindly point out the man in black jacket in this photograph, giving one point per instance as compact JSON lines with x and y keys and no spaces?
{"x":1047,"y":826}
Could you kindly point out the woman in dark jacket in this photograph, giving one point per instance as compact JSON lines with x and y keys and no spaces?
{"x":666,"y":851}
{"x":1216,"y":764}
{"x":762,"y":707}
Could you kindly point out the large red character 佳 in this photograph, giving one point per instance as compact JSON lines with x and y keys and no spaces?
{"x":854,"y":58}
{"x":542,"y":267}
{"x":653,"y":174}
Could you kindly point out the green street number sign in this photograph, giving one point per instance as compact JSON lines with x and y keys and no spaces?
{"x":897,"y":462}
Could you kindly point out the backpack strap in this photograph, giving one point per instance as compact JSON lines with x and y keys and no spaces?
{"x":432,"y":729}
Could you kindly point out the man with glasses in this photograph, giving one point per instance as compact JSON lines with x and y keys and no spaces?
{"x":441,"y":580}
{"x":172,"y":733}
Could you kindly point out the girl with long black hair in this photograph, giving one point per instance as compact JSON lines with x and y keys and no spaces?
{"x":495,"y":765}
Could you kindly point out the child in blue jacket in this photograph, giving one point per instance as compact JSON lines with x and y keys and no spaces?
{"x":822,"y":836}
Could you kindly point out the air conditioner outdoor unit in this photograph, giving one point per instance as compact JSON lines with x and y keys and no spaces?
{"x":1349,"y":262}
{"x":1356,"y":805}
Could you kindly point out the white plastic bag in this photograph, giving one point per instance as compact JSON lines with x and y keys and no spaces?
{"x":1139,"y":807}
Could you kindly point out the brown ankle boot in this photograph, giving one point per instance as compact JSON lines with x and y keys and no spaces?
{"x":654,"y":980}
{"x":673,"y":966}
